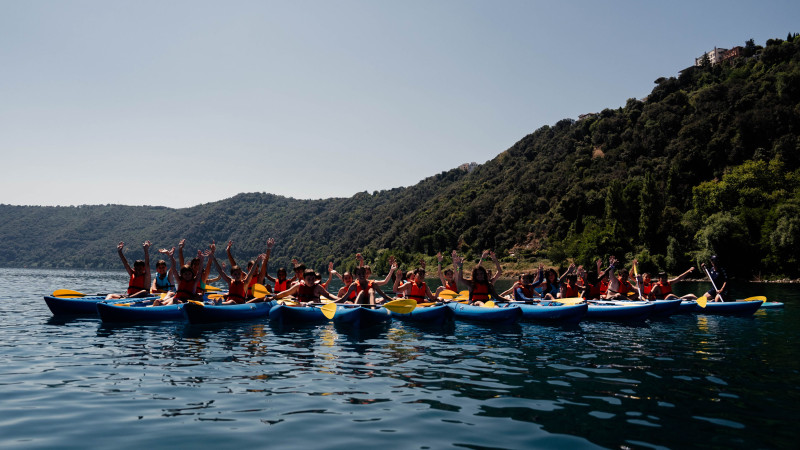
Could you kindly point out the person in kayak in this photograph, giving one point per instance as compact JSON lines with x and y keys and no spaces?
{"x":256,"y":279}
{"x":238,"y":282}
{"x":480,"y":286}
{"x":662,"y":290}
{"x":526,"y":290}
{"x":417,"y":289}
{"x":164,"y":281}
{"x":365,"y":288}
{"x":719,"y":278}
{"x":447,"y":278}
{"x":309,"y":291}
{"x":347,"y":279}
{"x":139,"y":282}
{"x":197,"y":267}
{"x":188,"y":281}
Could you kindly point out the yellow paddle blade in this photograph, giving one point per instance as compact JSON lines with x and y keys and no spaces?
{"x":197,"y":303}
{"x":325,"y":301}
{"x":489,"y":304}
{"x":67,"y":293}
{"x":424,"y":305}
{"x":461,"y":298}
{"x":288,"y":302}
{"x":463,"y":294}
{"x":210,"y":288}
{"x":214,"y":296}
{"x":448,"y":292}
{"x":570,"y":301}
{"x":259,"y":290}
{"x":755,"y":299}
{"x":701,"y":301}
{"x":328,"y":310}
{"x":403,"y":306}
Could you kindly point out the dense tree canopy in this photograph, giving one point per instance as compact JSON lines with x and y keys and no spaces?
{"x":708,"y":163}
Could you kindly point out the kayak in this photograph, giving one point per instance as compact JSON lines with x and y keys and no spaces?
{"x":665,"y":308}
{"x":199,"y":314}
{"x":284,"y":314}
{"x":433,"y":315}
{"x":730,"y":308}
{"x":80,"y":306}
{"x":619,"y":311}
{"x":560,"y":314}
{"x":687,"y":307}
{"x":771,"y":305}
{"x":361,"y":317}
{"x":138,"y":312}
{"x":496,"y":316}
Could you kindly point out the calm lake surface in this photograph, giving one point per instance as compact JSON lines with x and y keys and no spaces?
{"x":690,"y":381}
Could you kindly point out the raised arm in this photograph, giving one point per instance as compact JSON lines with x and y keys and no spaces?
{"x":458,"y":263}
{"x":439,"y":272}
{"x":181,"y":243}
{"x":220,"y":270}
{"x":263,"y":273}
{"x":146,"y":247}
{"x":253,"y":270}
{"x":230,"y":255}
{"x":498,"y":269}
{"x":388,"y":276}
{"x":128,"y":269}
{"x":569,"y":271}
{"x":681,"y":276}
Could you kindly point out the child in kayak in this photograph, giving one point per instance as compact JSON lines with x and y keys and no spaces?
{"x":480,"y":287}
{"x":237,"y":282}
{"x":255,"y":279}
{"x":662,"y":290}
{"x":188,"y":282}
{"x":139,"y":283}
{"x":417,"y":289}
{"x":447,"y":278}
{"x":164,"y":281}
{"x":719,"y":279}
{"x":309,"y":291}
{"x":366,"y":289}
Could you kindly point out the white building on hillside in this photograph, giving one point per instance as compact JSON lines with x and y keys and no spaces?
{"x":715,"y":56}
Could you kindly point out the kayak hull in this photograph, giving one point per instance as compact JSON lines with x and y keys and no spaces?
{"x":619,"y":311}
{"x":730,"y":308}
{"x":81,"y":306}
{"x":563,"y":314}
{"x":433,"y":315}
{"x":197,"y":314}
{"x":113,"y":313}
{"x":771,"y":305}
{"x":361,"y":317}
{"x":296,"y":315}
{"x":665,"y":308}
{"x":495,"y":316}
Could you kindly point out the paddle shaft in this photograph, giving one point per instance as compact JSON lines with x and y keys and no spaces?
{"x":714,"y":285}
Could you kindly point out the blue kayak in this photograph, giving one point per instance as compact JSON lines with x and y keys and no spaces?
{"x":361,"y":317}
{"x":200,"y":314}
{"x":138,"y":312}
{"x":619,"y":311}
{"x":432,"y":315}
{"x":298,"y":315}
{"x":554,"y":314}
{"x":730,"y":308}
{"x":771,"y":305}
{"x":80,"y":306}
{"x":665,"y":308}
{"x":495,"y":316}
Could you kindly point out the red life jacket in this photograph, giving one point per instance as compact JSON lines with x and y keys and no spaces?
{"x":624,"y":287}
{"x":236,"y":291}
{"x":185,"y":291}
{"x":603,"y":288}
{"x":136,"y":284}
{"x":666,"y":289}
{"x":527,"y":290}
{"x":646,"y":288}
{"x":306,"y":293}
{"x":451,"y":285}
{"x":360,"y":288}
{"x":479,"y":292}
{"x":418,"y":292}
{"x":281,"y":286}
{"x":570,"y":291}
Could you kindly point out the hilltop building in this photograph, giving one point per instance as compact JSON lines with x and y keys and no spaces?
{"x":718,"y":55}
{"x":468,"y":167}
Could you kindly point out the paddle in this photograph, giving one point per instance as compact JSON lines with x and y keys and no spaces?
{"x":702,"y":300}
{"x":489,"y":304}
{"x":401,"y":306}
{"x":638,"y":280}
{"x":328,"y":310}
{"x":569,"y":301}
{"x":67,"y":293}
{"x":210,"y":288}
{"x":447,"y":293}
{"x":754,"y":299}
{"x":259,"y":290}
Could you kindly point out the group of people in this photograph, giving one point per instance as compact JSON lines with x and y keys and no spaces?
{"x":179,"y":281}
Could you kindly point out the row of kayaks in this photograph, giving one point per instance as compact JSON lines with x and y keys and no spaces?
{"x":362,"y":317}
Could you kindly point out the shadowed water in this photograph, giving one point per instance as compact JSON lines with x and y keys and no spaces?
{"x":688,"y":381}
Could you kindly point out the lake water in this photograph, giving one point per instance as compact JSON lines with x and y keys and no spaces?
{"x":689,"y":381}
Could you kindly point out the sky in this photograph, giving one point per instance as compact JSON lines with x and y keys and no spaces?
{"x":180,"y":103}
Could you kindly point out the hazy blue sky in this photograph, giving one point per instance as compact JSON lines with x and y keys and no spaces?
{"x":178,"y":103}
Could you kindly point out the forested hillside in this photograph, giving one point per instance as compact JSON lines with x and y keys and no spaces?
{"x":708,"y":163}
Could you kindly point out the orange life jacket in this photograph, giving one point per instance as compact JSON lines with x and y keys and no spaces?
{"x":570,"y":291}
{"x":479,"y":292}
{"x":451,"y":285}
{"x":360,"y":288}
{"x":666,"y":289}
{"x":281,"y":286}
{"x":236,"y":291}
{"x":185,"y":291}
{"x":418,"y":292}
{"x":136,"y":284}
